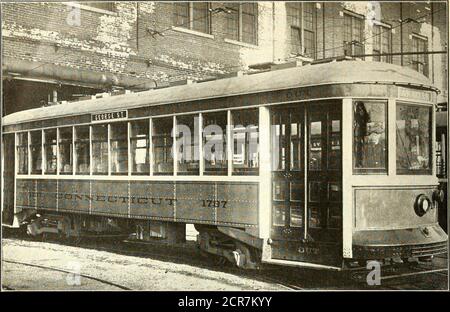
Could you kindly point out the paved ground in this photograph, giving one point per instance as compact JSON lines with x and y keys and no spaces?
{"x":37,"y":265}
{"x":137,"y":273}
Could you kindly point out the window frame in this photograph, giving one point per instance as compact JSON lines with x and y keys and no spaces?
{"x":31,"y":145}
{"x":45,"y":145}
{"x":415,"y":59}
{"x":77,"y":141}
{"x":371,"y":171}
{"x":118,"y":149}
{"x":416,"y":172}
{"x":383,"y":29}
{"x":297,"y":15}
{"x":238,"y":36}
{"x":191,"y":16}
{"x":132,"y":155}
{"x":24,"y":147}
{"x":353,"y":44}
{"x":61,"y":142}
{"x":92,"y":141}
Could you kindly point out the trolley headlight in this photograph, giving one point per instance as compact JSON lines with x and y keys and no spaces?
{"x":422,"y":205}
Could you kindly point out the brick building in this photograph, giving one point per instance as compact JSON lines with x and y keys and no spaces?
{"x":64,"y":51}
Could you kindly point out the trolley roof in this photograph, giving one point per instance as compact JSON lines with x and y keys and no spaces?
{"x":345,"y":72}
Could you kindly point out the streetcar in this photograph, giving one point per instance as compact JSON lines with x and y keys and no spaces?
{"x":326,"y":165}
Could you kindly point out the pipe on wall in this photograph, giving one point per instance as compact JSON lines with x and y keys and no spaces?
{"x":86,"y":78}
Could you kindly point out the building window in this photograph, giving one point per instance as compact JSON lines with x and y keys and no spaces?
{"x":82,"y":150}
{"x":103,"y":5}
{"x":100,"y":149}
{"x":65,"y":150}
{"x":36,"y":152}
{"x":353,"y":35}
{"x":162,"y":146}
{"x":119,"y":147}
{"x":369,"y":137}
{"x":22,"y":152}
{"x":382,"y":43}
{"x":419,"y":62}
{"x":302,"y":34}
{"x":193,"y":15}
{"x":413,"y":139}
{"x":245,"y":134}
{"x":242,"y":22}
{"x":50,"y":151}
{"x":139,"y":140}
{"x":215,"y":143}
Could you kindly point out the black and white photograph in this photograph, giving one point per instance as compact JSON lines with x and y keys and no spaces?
{"x":224,"y":147}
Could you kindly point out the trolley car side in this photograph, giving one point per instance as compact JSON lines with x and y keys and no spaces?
{"x":314,"y":166}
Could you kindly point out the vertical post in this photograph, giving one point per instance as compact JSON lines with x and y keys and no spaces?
{"x":57,"y":151}
{"x":109,"y":149}
{"x":200,"y":145}
{"x":90,"y":151}
{"x":323,"y":30}
{"x":230,"y":144}
{"x":16,"y":156}
{"x":174,"y":146}
{"x":302,"y":32}
{"x":444,"y":156}
{"x":305,"y":172}
{"x":150,"y":145}
{"x":432,"y":42}
{"x":265,"y":193}
{"x":347,"y":195}
{"x":43,"y":160}
{"x":433,"y":140}
{"x":74,"y":152}
{"x":29,"y":151}
{"x":240,"y":22}
{"x":129,"y":148}
{"x":391,"y":135}
{"x":401,"y":33}
{"x":191,"y":16}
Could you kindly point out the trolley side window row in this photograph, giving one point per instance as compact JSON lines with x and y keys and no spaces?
{"x":146,"y":146}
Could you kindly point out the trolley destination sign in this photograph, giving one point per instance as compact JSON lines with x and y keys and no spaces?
{"x":98,"y":117}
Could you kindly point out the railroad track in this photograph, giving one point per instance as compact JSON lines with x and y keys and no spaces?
{"x":273,"y":275}
{"x":44,"y":267}
{"x":172,"y":253}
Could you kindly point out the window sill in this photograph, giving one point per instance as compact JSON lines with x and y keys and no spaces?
{"x":192,"y":32}
{"x":243,"y":44}
{"x":89,"y":8}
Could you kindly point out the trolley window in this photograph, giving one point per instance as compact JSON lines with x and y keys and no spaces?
{"x":215,"y":143}
{"x":50,"y":151}
{"x":119,"y":147}
{"x":245,"y":142}
{"x":139,"y":140}
{"x":100,"y":149}
{"x":22,"y":152}
{"x":82,"y":150}
{"x":65,"y":150}
{"x":369,"y":137}
{"x":162,"y":146}
{"x":413,"y":127}
{"x":36,"y":152}
{"x":188,"y":144}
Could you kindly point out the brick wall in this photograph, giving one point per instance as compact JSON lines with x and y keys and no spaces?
{"x":118,"y":42}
